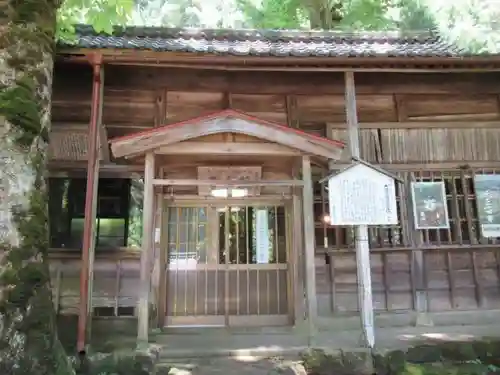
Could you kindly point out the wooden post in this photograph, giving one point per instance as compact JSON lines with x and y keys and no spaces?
{"x":417,"y":265}
{"x":147,"y":247}
{"x":162,"y":260}
{"x":309,"y":244}
{"x":297,"y":255}
{"x":330,"y":255}
{"x":88,"y":240}
{"x":365,"y":301}
{"x":153,"y":290}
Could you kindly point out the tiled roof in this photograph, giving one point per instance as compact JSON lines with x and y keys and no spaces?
{"x":270,"y":42}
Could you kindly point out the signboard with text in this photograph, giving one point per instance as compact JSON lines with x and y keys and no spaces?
{"x":361,"y":195}
{"x":487,"y":188}
{"x":262,"y":236}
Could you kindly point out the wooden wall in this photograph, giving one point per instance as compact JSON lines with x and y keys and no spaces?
{"x":115,"y":285}
{"x":186,"y":167}
{"x":455,"y":280}
{"x":116,"y":278}
{"x":423,"y":127}
{"x":459,"y":269}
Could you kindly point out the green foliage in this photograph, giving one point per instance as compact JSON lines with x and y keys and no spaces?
{"x":323,"y":14}
{"x":33,"y":11}
{"x":134,"y":238}
{"x":471,"y":24}
{"x":186,"y":13}
{"x":449,"y":358}
{"x":101,"y":14}
{"x":120,"y":365}
{"x":173,"y":13}
{"x":20,"y":107}
{"x":274,"y":14}
{"x":367,"y":15}
{"x":415,"y":16}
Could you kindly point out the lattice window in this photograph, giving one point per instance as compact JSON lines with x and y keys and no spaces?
{"x":187,"y":235}
{"x":462,"y":213}
{"x":462,"y":209}
{"x":343,"y":237}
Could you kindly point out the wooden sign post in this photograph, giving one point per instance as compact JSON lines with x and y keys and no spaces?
{"x":361,"y":195}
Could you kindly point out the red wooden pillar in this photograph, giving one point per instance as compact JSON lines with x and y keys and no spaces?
{"x":88,"y":243}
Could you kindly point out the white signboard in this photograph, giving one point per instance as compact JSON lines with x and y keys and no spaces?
{"x":262,"y":236}
{"x":361,"y":195}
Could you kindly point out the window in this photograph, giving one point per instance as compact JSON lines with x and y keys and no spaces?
{"x":134,"y":235}
{"x":187,"y":236}
{"x":59,"y":213}
{"x":118,"y":206}
{"x":253,"y":235}
{"x":343,"y":237}
{"x":109,"y":232}
{"x":238,"y":234}
{"x":462,"y":207}
{"x":461,"y":200}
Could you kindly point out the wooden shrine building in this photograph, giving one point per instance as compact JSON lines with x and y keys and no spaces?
{"x":185,"y":168}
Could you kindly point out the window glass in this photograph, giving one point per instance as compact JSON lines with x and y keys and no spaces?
{"x":114,"y":227}
{"x":110,"y":232}
{"x":134,"y":235}
{"x":187,"y":240}
{"x":255,"y":235}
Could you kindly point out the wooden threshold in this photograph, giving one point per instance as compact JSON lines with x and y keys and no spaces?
{"x":195,"y":321}
{"x":234,"y":321}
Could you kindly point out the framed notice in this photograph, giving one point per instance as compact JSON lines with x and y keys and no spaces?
{"x":430,"y":209}
{"x":487,"y":188}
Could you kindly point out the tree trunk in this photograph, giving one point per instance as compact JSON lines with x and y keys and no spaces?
{"x":318,"y":15}
{"x":323,"y":15}
{"x":28,"y":335}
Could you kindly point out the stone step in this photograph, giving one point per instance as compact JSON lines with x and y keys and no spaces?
{"x":226,"y":365}
{"x":170,"y":354}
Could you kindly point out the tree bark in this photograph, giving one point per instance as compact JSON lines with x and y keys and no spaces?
{"x":28,"y":333}
{"x":320,"y":14}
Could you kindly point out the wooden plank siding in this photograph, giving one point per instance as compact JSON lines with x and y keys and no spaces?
{"x":426,"y":145}
{"x":116,"y":283}
{"x":115,"y":286}
{"x":456,"y":279}
{"x":422,"y":127}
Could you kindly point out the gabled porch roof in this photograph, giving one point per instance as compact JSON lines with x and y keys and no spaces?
{"x":226,"y":121}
